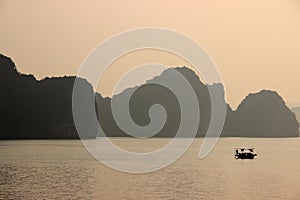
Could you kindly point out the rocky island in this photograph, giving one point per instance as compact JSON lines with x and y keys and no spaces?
{"x":37,"y":109}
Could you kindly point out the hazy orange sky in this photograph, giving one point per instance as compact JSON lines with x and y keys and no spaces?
{"x":254,"y":43}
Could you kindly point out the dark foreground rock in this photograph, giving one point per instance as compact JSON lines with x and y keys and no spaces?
{"x":32,"y":109}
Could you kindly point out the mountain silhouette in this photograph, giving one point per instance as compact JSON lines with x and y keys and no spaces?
{"x":263,"y":114}
{"x":42,"y":109}
{"x":32,"y":109}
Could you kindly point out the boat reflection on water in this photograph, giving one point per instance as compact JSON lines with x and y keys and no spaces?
{"x":244,"y":153}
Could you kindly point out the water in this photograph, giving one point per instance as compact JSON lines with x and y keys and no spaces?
{"x":50,"y":169}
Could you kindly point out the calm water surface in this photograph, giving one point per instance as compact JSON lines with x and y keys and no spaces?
{"x":56,"y":169}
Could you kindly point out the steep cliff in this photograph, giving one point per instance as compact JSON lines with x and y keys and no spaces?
{"x":264,"y":114}
{"x":36,"y":109}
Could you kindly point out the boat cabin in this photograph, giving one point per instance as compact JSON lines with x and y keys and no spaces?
{"x":244,"y":153}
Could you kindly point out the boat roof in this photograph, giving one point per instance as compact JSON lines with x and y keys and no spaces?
{"x":243,"y":148}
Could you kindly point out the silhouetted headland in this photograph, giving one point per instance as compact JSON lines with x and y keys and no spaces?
{"x":42,"y":109}
{"x":32,"y":109}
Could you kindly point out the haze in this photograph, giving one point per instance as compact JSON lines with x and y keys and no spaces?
{"x":255,"y":44}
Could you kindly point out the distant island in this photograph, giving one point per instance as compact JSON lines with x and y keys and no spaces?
{"x":42,"y":109}
{"x":263,"y":114}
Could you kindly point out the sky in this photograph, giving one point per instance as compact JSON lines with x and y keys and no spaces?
{"x":254,"y":43}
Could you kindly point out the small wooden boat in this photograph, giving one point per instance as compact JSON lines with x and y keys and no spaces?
{"x":244,"y":153}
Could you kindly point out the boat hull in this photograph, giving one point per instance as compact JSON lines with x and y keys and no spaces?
{"x":245,"y":156}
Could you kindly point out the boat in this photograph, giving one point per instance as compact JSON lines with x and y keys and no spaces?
{"x":244,"y":153}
